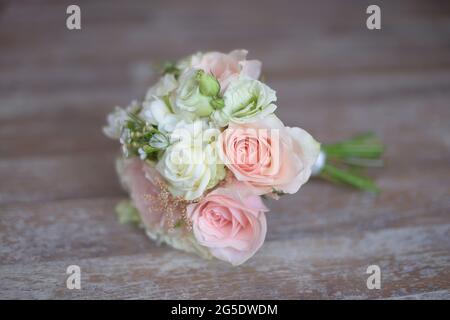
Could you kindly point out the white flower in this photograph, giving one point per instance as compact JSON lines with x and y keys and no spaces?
{"x":189,"y":61}
{"x":156,"y":112}
{"x":165,"y":85}
{"x":125,"y":138}
{"x":142,"y":154}
{"x":125,"y":151}
{"x":246,"y":100}
{"x":159,"y":141}
{"x":116,"y":120}
{"x":190,"y":163}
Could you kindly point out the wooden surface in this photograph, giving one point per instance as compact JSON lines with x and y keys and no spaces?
{"x":334,"y":78}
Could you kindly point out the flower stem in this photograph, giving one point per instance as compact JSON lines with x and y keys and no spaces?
{"x":337,"y":175}
{"x":362,"y":151}
{"x":366,"y":146}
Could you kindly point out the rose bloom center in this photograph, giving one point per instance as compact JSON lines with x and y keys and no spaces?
{"x":252,"y":153}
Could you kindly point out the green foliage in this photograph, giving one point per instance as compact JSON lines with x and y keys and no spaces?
{"x":141,"y":137}
{"x":169,"y":67}
{"x":127,"y":213}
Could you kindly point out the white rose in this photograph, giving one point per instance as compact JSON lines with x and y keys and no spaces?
{"x":190,"y":163}
{"x":245,"y":100}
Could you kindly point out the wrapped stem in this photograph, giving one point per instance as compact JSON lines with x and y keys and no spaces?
{"x":337,"y":175}
{"x":345,"y":157}
{"x":363,"y":146}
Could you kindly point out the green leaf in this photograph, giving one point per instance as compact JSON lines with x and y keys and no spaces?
{"x":127,"y":213}
{"x":169,"y":67}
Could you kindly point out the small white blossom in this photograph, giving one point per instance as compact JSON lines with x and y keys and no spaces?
{"x":159,"y":141}
{"x":125,"y":151}
{"x":125,"y":136}
{"x":115,"y":120}
{"x":142,"y":154}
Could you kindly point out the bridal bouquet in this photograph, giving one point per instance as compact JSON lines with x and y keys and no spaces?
{"x":203,"y":149}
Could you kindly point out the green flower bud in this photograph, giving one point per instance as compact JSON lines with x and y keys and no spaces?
{"x":189,"y":96}
{"x":208,"y":84}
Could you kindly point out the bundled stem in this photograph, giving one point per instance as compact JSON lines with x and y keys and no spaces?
{"x":344,"y":157}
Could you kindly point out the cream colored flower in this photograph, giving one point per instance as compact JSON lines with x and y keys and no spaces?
{"x":189,"y":61}
{"x":165,"y":85}
{"x":190,"y":164}
{"x":116,"y":120}
{"x":157,"y":112}
{"x":246,"y":100}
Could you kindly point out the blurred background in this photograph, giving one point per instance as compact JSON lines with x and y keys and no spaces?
{"x":333,"y":77}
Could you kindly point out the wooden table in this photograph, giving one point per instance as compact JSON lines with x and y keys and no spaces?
{"x":334,"y":77}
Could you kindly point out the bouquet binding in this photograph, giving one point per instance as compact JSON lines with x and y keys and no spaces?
{"x":204,"y":148}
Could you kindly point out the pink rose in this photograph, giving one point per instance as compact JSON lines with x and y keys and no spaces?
{"x":268,"y":156}
{"x":230,"y":221}
{"x":141,"y":181}
{"x":227,"y":66}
